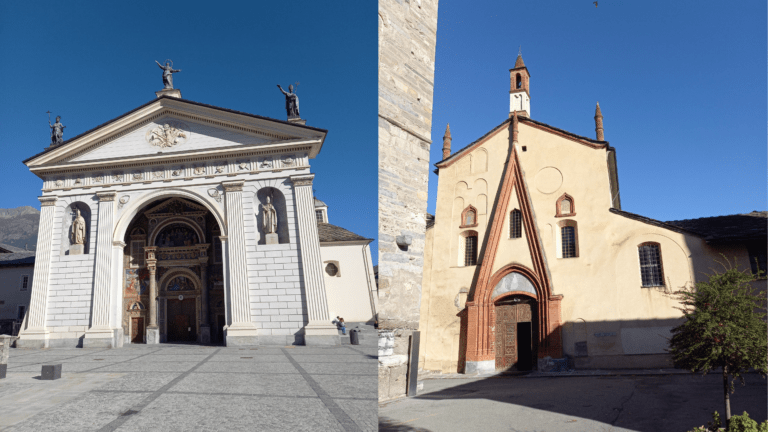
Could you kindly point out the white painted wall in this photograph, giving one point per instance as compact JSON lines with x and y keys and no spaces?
{"x":350,"y":291}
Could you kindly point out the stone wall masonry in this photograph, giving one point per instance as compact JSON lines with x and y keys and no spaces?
{"x":70,"y":289}
{"x":407,"y":38}
{"x":274,"y":271}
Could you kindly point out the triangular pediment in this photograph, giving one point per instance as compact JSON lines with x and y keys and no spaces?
{"x":172,"y":128}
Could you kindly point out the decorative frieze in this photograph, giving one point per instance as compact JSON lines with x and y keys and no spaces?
{"x":166,"y":173}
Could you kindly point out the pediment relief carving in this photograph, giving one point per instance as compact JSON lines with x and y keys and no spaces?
{"x":174,"y":207}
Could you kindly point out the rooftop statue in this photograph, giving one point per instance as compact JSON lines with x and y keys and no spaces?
{"x":168,"y":72}
{"x":291,"y":102}
{"x":57,"y":131}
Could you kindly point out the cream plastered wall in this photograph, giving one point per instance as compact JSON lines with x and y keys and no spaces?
{"x":350,"y":292}
{"x":604,"y":302}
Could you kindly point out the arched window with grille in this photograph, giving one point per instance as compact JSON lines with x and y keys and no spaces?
{"x":468,"y":248}
{"x":568,"y":240}
{"x":515,"y":224}
{"x":651,"y":271}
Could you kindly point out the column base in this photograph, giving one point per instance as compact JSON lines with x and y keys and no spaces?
{"x":153,"y":335}
{"x":33,"y":338}
{"x":484,"y":366}
{"x":320,"y":333}
{"x":205,"y":334}
{"x":241,"y":335}
{"x":103,"y":337}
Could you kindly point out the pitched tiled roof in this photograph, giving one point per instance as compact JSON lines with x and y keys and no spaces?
{"x":47,"y":149}
{"x":748,"y":226}
{"x":6,"y":248}
{"x":17,"y":258}
{"x":332,"y":233}
{"x":650,"y":221}
{"x":319,"y":203}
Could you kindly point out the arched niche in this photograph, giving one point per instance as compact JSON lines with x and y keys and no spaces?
{"x":278,"y":202}
{"x":66,"y":226}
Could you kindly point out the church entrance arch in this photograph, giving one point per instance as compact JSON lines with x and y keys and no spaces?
{"x":516,"y":342}
{"x":174,"y":267}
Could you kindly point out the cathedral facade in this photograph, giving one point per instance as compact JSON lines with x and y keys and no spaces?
{"x":179,"y":221}
{"x":530,"y":258}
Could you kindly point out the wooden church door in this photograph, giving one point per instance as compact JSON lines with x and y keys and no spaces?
{"x":515,"y":343}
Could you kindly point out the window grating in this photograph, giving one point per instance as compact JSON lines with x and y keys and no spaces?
{"x":319,"y":216}
{"x":515,"y":224}
{"x":568,"y":234}
{"x":470,"y":250}
{"x":650,"y":265}
{"x":24,"y":282}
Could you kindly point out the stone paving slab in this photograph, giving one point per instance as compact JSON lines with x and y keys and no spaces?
{"x":23,"y":397}
{"x":187,"y":387}
{"x":232,"y":413}
{"x":248,"y":384}
{"x":247,"y":367}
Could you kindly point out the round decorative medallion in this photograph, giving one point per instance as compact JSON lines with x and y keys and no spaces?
{"x":548,"y":180}
{"x":181,"y":297}
{"x":169,"y":134}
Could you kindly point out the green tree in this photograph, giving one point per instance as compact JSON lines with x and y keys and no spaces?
{"x":724,"y":328}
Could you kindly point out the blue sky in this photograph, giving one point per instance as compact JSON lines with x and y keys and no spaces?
{"x":93,"y":61}
{"x":681,"y":85}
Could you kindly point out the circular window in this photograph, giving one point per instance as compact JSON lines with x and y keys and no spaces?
{"x":331,"y":269}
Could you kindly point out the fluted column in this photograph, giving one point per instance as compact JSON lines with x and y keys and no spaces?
{"x":35,"y":333}
{"x":319,"y":328}
{"x":241,"y":331}
{"x":100,"y":334}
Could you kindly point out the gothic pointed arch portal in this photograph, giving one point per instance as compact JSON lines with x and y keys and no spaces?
{"x":479,"y":339}
{"x":173,"y":267}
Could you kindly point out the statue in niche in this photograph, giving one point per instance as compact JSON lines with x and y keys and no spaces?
{"x":57,"y":131}
{"x":269,"y":222}
{"x":291,"y":102}
{"x":270,"y":217}
{"x":77,"y":234}
{"x":168,"y":72}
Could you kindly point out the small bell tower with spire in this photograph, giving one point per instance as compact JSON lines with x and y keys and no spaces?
{"x":519,"y":90}
{"x":447,"y":142}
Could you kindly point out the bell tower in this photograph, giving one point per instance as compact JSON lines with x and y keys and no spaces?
{"x":519,"y":89}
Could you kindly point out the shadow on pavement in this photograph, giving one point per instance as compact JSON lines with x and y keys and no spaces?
{"x":643,"y":403}
{"x":389,"y":425}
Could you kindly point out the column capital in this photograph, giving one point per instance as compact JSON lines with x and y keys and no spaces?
{"x":47,"y":201}
{"x":223,"y":238}
{"x":106,"y":196}
{"x":235,"y":186}
{"x":118,"y":243}
{"x":302,"y":179}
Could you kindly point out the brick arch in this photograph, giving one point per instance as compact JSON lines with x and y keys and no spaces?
{"x":470,"y":208}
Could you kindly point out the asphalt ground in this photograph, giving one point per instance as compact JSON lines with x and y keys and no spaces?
{"x":647,"y":403}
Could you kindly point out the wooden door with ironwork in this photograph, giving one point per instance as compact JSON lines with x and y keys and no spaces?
{"x":507,"y":342}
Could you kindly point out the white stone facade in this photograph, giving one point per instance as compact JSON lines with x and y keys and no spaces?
{"x":219,"y":163}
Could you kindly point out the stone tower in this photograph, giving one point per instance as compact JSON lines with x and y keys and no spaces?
{"x":407,"y":37}
{"x":519,"y":89}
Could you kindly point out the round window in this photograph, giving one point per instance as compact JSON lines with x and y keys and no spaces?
{"x":331,"y":269}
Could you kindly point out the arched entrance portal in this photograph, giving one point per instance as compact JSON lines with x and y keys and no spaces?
{"x":516,"y":333}
{"x":175,"y":243}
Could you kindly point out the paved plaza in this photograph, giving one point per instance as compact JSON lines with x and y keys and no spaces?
{"x":644,"y":403}
{"x":175,"y":387}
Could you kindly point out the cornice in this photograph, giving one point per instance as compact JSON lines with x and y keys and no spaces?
{"x":302,"y":179}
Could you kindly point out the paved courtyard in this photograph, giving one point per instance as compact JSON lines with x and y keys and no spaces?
{"x":174,"y":387}
{"x":646,"y":403}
